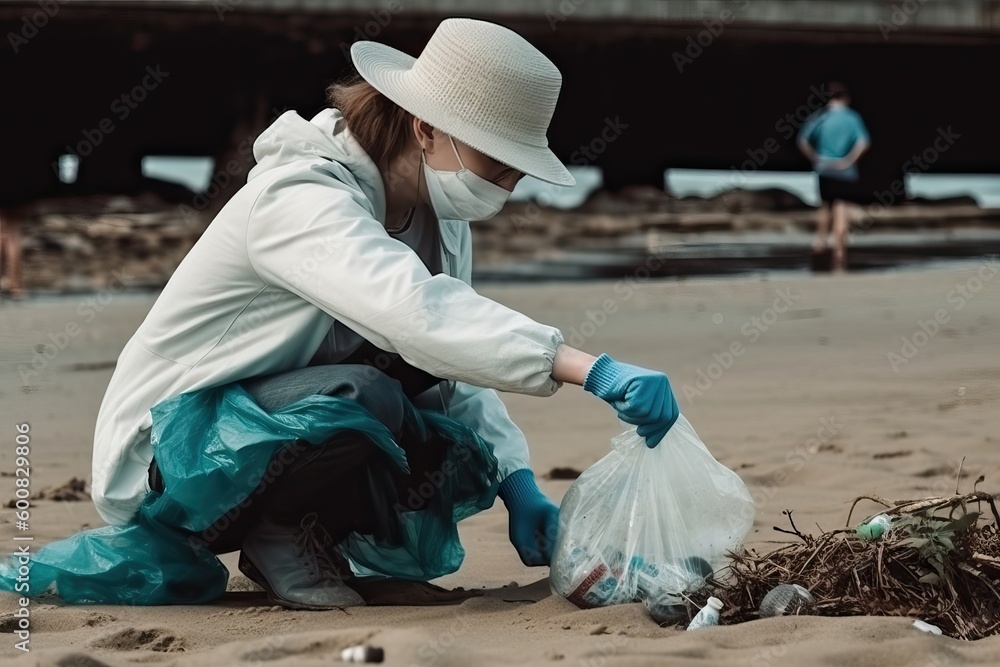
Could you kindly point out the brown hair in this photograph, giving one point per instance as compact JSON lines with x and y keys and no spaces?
{"x":380,"y":125}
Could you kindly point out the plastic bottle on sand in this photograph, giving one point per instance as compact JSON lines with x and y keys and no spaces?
{"x":362,"y":653}
{"x":708,"y":616}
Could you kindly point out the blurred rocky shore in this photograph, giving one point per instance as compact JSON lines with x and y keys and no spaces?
{"x":78,"y":243}
{"x":650,"y":217}
{"x":75,"y":244}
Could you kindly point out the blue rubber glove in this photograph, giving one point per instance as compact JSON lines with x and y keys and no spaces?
{"x":640,"y":396}
{"x":534,"y":519}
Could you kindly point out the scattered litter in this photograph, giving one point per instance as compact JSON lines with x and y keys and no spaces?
{"x":875,"y":528}
{"x":362,"y":653}
{"x":940,"y":562}
{"x":708,"y":616}
{"x":785,"y":600}
{"x":927,"y":627}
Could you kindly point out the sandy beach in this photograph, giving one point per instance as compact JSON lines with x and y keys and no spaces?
{"x":815,"y":389}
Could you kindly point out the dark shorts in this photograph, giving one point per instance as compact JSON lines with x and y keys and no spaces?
{"x":833,"y":189}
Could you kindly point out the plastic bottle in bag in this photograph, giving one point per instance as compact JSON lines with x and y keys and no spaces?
{"x":588,"y":578}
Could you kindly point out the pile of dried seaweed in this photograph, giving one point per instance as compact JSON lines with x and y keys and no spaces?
{"x":940,"y":562}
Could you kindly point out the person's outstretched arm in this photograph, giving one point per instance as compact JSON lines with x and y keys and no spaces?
{"x":640,"y":396}
{"x":571,"y":365}
{"x":309,"y":235}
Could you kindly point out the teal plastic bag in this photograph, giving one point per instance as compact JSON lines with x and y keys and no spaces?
{"x":465,"y":484}
{"x":213,"y":447}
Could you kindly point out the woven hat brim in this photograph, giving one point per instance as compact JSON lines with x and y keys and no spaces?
{"x":388,"y":70}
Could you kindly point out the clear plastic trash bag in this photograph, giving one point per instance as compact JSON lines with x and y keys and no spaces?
{"x":646,"y":525}
{"x":213,"y":447}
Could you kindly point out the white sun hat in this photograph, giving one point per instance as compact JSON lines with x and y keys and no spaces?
{"x":481,"y":83}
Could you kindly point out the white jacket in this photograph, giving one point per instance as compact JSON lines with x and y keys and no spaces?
{"x":301,"y":245}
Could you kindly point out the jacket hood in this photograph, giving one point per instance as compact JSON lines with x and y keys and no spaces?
{"x":291,"y":138}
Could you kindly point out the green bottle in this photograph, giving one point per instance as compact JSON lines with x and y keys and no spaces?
{"x":874,"y":529}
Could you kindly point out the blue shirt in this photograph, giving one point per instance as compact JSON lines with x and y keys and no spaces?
{"x":833,"y":132}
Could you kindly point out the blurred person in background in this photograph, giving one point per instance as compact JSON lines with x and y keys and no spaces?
{"x":833,"y":139}
{"x":10,"y":250}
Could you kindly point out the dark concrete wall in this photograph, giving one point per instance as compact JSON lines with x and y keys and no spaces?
{"x":227,"y":77}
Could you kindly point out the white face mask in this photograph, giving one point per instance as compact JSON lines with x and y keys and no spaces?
{"x":463,"y":194}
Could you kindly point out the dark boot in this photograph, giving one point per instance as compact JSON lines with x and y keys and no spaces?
{"x":296,"y":565}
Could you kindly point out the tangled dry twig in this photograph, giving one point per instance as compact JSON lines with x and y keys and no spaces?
{"x":935,"y":564}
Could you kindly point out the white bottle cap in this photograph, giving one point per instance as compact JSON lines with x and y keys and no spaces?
{"x":714,"y":603}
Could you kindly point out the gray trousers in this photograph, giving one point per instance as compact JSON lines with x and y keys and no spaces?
{"x":343,"y":479}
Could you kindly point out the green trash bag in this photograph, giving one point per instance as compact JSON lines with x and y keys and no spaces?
{"x":213,"y":447}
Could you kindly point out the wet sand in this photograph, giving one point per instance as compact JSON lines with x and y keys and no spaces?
{"x":815,"y":389}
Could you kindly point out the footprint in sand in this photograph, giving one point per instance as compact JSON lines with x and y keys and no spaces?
{"x":8,"y":623}
{"x":892,"y":455}
{"x":940,"y":471}
{"x":135,"y":639}
{"x":79,"y":660}
{"x":58,"y":621}
{"x":96,"y":618}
